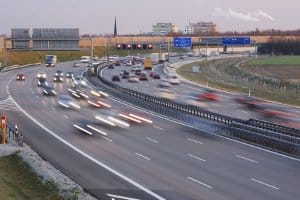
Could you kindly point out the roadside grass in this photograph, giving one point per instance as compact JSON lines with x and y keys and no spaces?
{"x":18,"y":181}
{"x":279,"y":60}
{"x":207,"y":79}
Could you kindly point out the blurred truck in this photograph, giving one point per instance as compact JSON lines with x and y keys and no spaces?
{"x":148,"y":64}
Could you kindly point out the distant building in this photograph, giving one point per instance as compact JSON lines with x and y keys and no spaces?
{"x":161,"y":29}
{"x":201,"y":27}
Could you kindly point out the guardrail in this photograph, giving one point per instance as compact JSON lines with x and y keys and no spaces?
{"x":14,"y":67}
{"x":277,"y":137}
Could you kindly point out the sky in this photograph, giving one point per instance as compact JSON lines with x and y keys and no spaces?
{"x":138,"y":16}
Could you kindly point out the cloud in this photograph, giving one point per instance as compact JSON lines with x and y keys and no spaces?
{"x":255,"y":16}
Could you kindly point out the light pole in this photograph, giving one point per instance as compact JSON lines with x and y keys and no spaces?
{"x":92,"y":49}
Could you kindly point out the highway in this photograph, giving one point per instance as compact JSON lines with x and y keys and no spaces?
{"x":162,"y":160}
{"x":226,"y":105}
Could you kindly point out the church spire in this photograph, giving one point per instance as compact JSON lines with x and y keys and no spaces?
{"x":115,"y":28}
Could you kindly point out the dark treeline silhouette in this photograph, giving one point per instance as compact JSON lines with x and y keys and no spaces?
{"x":280,"y":46}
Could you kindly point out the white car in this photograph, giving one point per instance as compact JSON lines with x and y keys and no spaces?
{"x":164,"y":83}
{"x":173,"y":79}
{"x":164,"y":93}
{"x":41,"y":75}
{"x":67,"y":102}
{"x":79,"y":81}
{"x":133,"y":78}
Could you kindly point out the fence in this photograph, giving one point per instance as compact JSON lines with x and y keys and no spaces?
{"x":228,"y":72}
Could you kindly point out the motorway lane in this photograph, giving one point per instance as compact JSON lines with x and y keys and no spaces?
{"x":169,"y":159}
{"x":184,"y":89}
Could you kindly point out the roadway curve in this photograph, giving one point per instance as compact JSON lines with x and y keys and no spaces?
{"x":226,"y":106}
{"x":164,"y":160}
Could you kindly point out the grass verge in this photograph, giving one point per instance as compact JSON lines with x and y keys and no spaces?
{"x":18,"y":181}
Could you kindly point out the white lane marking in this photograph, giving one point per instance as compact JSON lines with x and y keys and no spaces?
{"x":201,"y":183}
{"x":120,"y":197}
{"x":66,"y":116}
{"x":37,"y":97}
{"x":106,"y":138}
{"x":145,"y":157}
{"x":32,"y":92}
{"x":52,"y":108}
{"x":212,"y":133}
{"x":97,"y":130}
{"x":159,"y":128}
{"x":248,"y":159}
{"x":196,"y":157}
{"x":125,"y":178}
{"x":152,"y":140}
{"x":193,"y":140}
{"x":265,"y":184}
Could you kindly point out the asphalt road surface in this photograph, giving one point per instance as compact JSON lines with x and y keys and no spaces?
{"x":161,"y":160}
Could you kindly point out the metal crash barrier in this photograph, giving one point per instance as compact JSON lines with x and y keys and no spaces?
{"x":274,"y":136}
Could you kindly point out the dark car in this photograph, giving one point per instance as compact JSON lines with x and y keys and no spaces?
{"x":42,"y":83}
{"x":143,"y":76}
{"x":156,"y":76}
{"x":115,"y":78}
{"x":249,"y":101}
{"x":125,"y":74}
{"x":49,"y":91}
{"x":111,"y":66}
{"x":69,"y":74}
{"x":58,"y":79}
{"x":20,"y":77}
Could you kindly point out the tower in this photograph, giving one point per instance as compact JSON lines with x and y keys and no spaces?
{"x":115,"y":28}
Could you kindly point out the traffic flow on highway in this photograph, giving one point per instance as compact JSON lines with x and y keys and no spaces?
{"x":118,"y":150}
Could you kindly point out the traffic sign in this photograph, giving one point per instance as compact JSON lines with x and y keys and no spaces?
{"x":235,"y":41}
{"x":181,"y":42}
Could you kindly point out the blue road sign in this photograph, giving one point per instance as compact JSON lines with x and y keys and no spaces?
{"x":182,"y":42}
{"x":235,"y":41}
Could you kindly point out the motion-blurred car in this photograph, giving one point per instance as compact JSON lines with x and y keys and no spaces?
{"x":115,"y":78}
{"x":67,"y":102}
{"x":49,"y":91}
{"x":249,"y":101}
{"x":79,"y":81}
{"x":78,"y":93}
{"x":209,"y":95}
{"x":69,"y":75}
{"x":41,"y":75}
{"x":164,"y":83}
{"x":133,"y":78}
{"x":42,"y":82}
{"x":111,"y":118}
{"x":58,"y":78}
{"x":165,"y":93}
{"x":20,"y":77}
{"x":268,"y":110}
{"x":155,"y":75}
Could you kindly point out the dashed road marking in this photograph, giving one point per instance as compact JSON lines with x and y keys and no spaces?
{"x":145,"y":157}
{"x":195,"y":141}
{"x":248,"y":159}
{"x":200,"y":182}
{"x":196,"y":157}
{"x":265,"y":184}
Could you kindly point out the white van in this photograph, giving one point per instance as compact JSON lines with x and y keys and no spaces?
{"x":85,"y":59}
